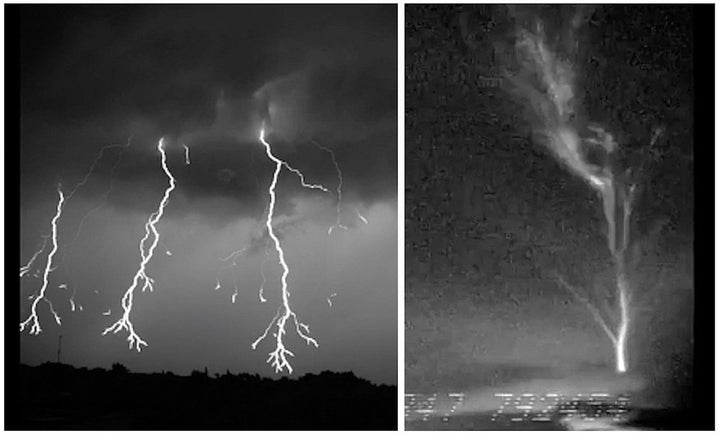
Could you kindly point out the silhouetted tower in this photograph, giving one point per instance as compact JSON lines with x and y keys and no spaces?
{"x":59,"y":348}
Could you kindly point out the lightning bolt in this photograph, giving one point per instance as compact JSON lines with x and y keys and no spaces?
{"x":40,"y":296}
{"x":362,"y":218}
{"x":105,"y":194}
{"x":95,"y":162}
{"x":264,"y":280}
{"x":73,"y":305}
{"x":233,"y":256}
{"x":553,"y":104}
{"x":24,"y":270}
{"x":187,"y":154}
{"x":278,"y":357}
{"x":103,"y":201}
{"x":146,"y":253}
{"x":338,"y":205}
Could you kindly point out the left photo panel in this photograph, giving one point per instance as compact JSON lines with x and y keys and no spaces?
{"x":208,"y":217}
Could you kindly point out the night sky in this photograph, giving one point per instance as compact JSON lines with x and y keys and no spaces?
{"x":207,"y":77}
{"x":492,"y":217}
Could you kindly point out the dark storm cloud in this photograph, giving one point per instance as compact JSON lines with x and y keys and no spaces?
{"x":92,"y":74}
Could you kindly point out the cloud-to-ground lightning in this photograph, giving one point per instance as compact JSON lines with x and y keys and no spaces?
{"x":555,"y":108}
{"x":147,"y":248}
{"x":278,"y":357}
{"x":33,"y":319}
{"x":338,"y":204}
{"x":49,"y":268}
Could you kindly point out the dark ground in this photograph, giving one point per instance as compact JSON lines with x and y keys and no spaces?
{"x":490,"y":215}
{"x":61,"y":397}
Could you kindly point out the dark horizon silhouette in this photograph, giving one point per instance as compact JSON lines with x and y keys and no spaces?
{"x":59,"y":396}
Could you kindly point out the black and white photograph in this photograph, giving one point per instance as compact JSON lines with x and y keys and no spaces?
{"x":207,"y":201}
{"x":550,"y":217}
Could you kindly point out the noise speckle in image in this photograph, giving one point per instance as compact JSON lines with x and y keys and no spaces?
{"x":549,"y":280}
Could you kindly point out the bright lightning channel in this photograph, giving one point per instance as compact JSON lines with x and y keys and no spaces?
{"x":40,"y":296}
{"x":564,"y":140}
{"x":146,"y":254}
{"x":278,"y":357}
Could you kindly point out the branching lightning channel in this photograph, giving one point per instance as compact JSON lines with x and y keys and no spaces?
{"x":278,"y":357}
{"x":338,"y":205}
{"x":40,"y":294}
{"x":73,"y":304}
{"x":554,"y":103}
{"x":152,"y":236}
{"x":24,"y":270}
{"x":105,"y":194}
{"x":32,"y":319}
{"x":95,"y":163}
{"x":233,"y":256}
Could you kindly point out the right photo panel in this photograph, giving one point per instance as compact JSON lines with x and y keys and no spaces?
{"x":549,"y":217}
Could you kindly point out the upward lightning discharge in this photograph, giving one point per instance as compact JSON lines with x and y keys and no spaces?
{"x":278,"y":357}
{"x":33,"y":317}
{"x":146,"y":253}
{"x":555,"y":107}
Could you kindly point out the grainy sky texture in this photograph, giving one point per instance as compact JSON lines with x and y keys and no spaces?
{"x":207,"y":77}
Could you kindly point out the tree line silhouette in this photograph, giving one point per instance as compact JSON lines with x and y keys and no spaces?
{"x":62,"y":397}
